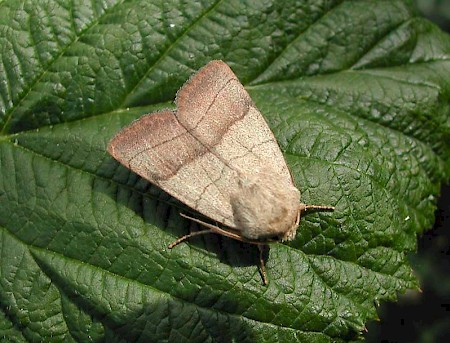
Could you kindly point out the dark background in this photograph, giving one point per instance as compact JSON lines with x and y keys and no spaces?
{"x":424,"y":317}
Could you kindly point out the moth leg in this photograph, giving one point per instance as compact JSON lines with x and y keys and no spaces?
{"x":304,"y":207}
{"x":211,"y":229}
{"x":192,"y":234}
{"x":262,"y":264}
{"x":216,"y":229}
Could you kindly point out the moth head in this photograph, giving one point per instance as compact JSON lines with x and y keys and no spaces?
{"x":265,"y":207}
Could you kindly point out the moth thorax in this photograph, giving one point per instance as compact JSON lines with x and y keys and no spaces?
{"x":265,"y":207}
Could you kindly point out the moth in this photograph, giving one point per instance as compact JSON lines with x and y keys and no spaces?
{"x":216,"y":154}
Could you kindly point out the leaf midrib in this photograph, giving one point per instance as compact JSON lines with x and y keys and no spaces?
{"x":152,"y":288}
{"x":144,"y":194}
{"x":162,"y":200}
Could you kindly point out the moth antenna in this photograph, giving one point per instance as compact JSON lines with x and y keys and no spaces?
{"x":304,"y":207}
{"x":192,"y":234}
{"x":262,"y":264}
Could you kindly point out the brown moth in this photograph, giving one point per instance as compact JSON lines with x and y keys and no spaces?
{"x":217,"y":155}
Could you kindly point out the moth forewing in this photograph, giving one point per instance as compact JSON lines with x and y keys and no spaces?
{"x":217,"y":155}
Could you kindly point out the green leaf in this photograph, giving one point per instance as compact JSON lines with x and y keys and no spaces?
{"x":357,"y":94}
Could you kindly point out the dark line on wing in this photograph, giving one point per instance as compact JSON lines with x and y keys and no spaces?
{"x":209,"y":149}
{"x":190,"y":132}
{"x":210,"y":105}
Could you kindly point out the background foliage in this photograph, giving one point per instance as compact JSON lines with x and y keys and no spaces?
{"x":424,"y":317}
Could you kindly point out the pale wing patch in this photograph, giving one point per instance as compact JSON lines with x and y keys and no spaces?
{"x":207,"y":186}
{"x":217,"y":110}
{"x":254,"y":149}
